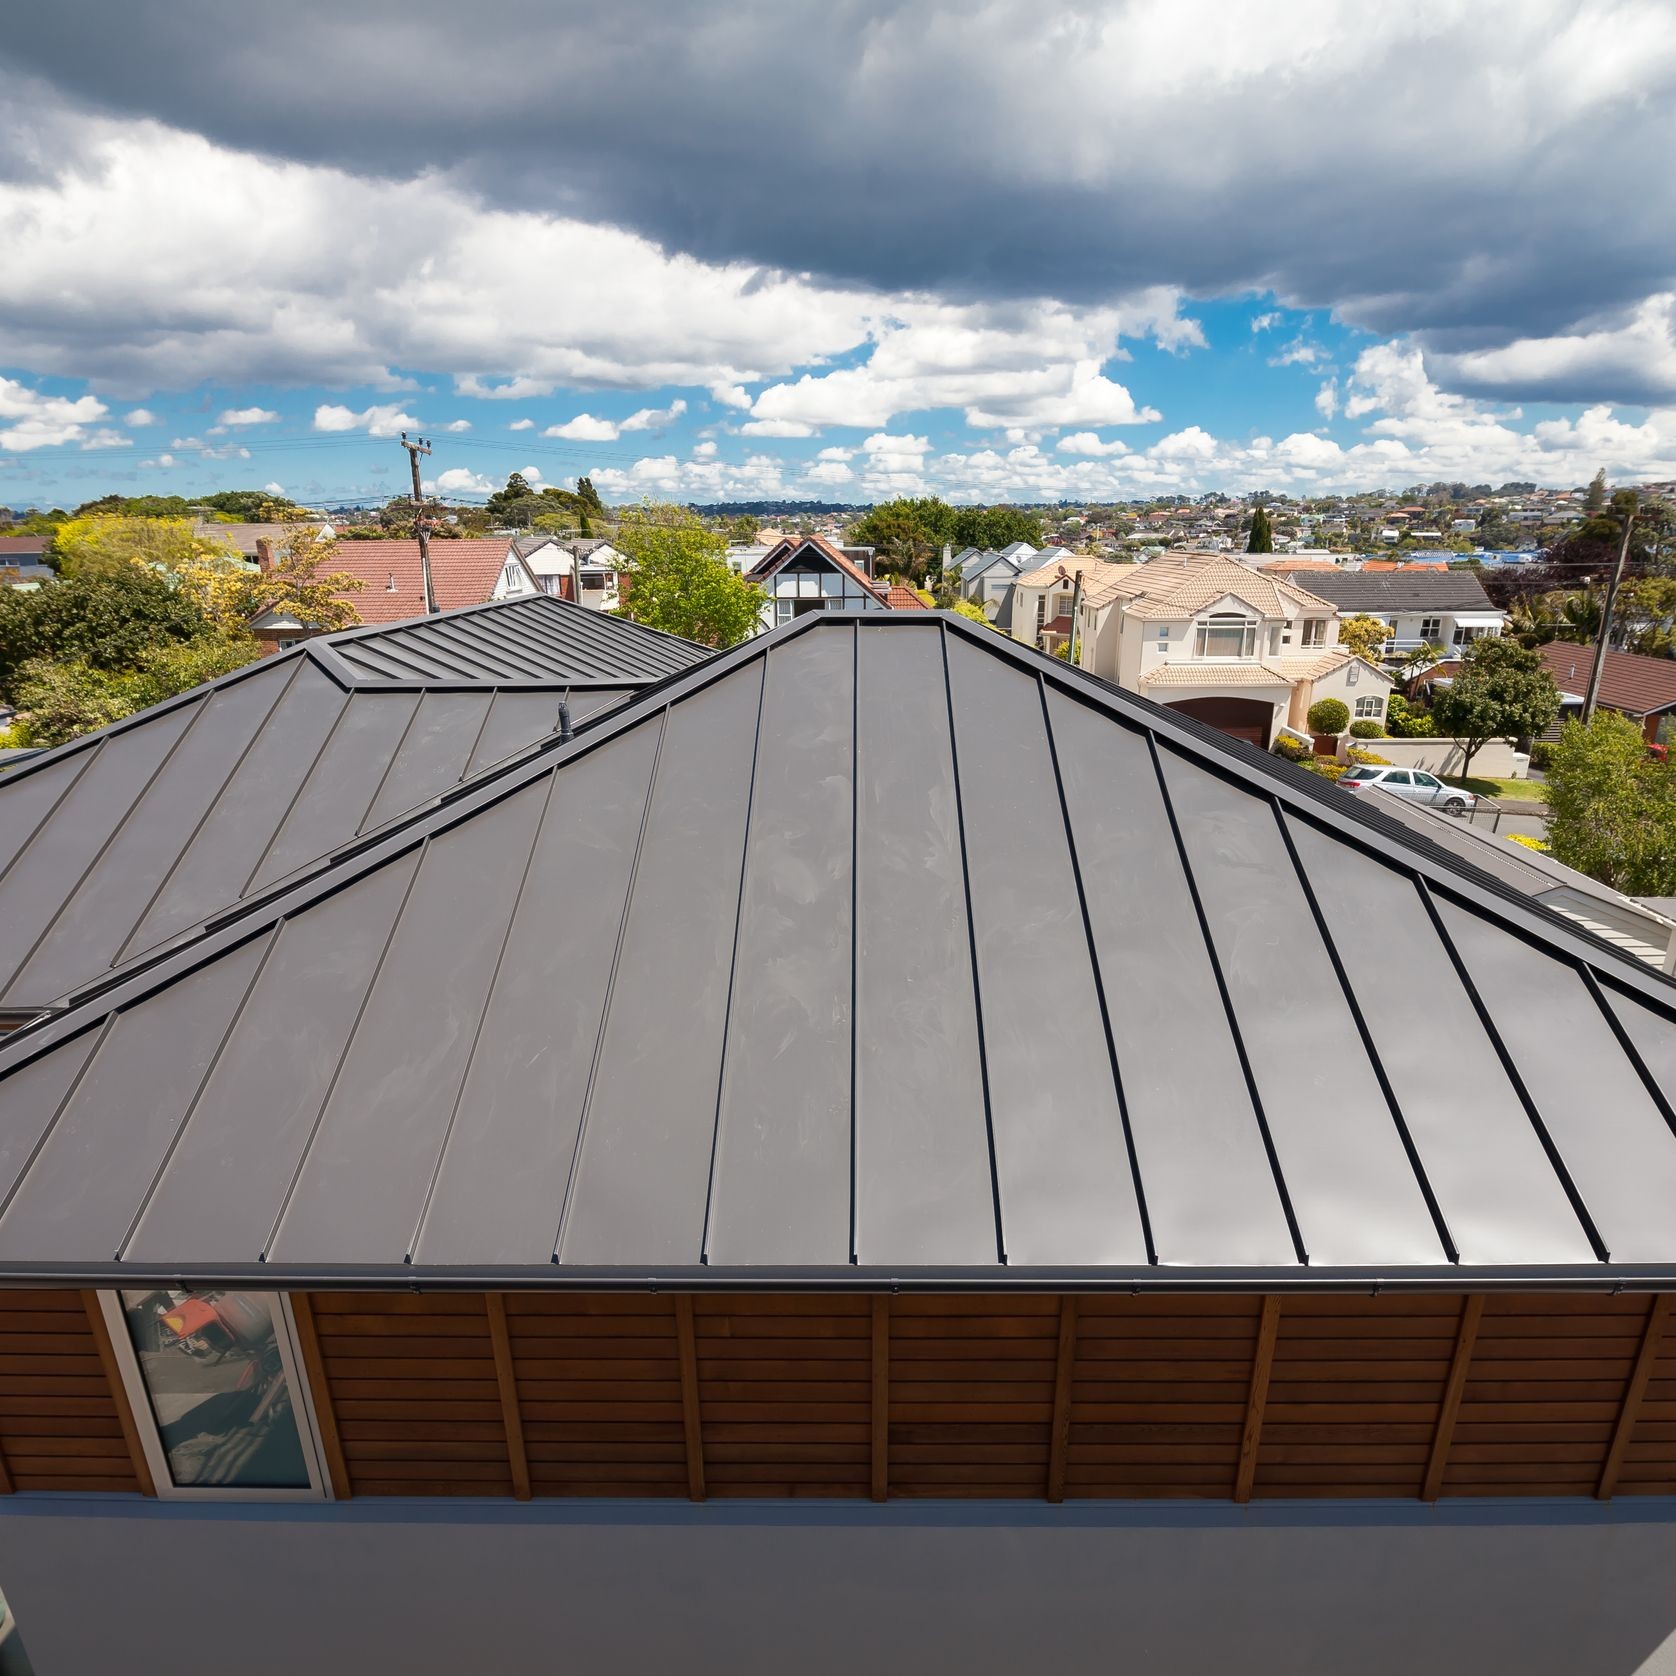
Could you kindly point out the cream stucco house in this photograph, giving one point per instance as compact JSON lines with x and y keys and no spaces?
{"x":1203,"y":633}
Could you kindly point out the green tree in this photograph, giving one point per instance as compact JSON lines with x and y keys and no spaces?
{"x":1596,"y":498}
{"x":1613,"y":807}
{"x":103,"y":542}
{"x":679,"y":579}
{"x":994,"y":527}
{"x":1261,"y":538}
{"x":1328,"y":715}
{"x":1502,"y":690}
{"x":1364,"y":635}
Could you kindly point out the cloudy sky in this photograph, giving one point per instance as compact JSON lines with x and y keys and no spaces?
{"x":836,"y":249}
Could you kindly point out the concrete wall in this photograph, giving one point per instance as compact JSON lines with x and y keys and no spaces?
{"x":424,"y":1588}
{"x":1497,"y":758}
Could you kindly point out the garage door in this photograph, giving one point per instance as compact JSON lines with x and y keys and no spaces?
{"x":1250,"y":719}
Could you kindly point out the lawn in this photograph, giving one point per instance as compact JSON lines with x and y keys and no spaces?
{"x":1526,"y":791}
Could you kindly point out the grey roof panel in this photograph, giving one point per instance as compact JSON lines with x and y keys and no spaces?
{"x":1396,"y":590}
{"x":1210,"y":1194}
{"x":781,"y":1189}
{"x":1066,"y":1188}
{"x":1611,"y":1137}
{"x":654,"y":1090}
{"x":433,"y":755}
{"x":617,"y":1015}
{"x":391,"y":1106}
{"x":1354,"y":1196}
{"x":52,"y":867}
{"x":516,"y":719}
{"x":500,"y":1189}
{"x":215,"y":868}
{"x":228,"y":1178}
{"x":118,"y":1125}
{"x":924,"y":1190}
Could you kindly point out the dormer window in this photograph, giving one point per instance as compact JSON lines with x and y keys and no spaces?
{"x":1312,"y":631}
{"x":1226,"y":634}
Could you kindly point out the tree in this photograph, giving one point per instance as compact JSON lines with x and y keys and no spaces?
{"x":85,"y":546}
{"x":1328,"y":715}
{"x":994,"y":527}
{"x":1596,"y":499}
{"x":1613,"y":807}
{"x":1502,"y":690}
{"x":1261,"y":539}
{"x":293,"y":584}
{"x":679,"y":578}
{"x":1364,"y":635}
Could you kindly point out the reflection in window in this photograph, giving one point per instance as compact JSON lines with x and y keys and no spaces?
{"x":218,"y":1389}
{"x":1227,"y":635}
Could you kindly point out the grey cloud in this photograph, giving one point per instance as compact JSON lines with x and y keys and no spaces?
{"x":1469,"y":173}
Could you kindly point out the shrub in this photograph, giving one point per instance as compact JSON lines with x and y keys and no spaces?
{"x":1403,"y":721}
{"x":1329,"y":715}
{"x":1294,"y":750}
{"x":1541,"y":753}
{"x":1528,"y":841}
{"x":1366,"y":730}
{"x":1369,"y":759}
{"x":1329,"y":768}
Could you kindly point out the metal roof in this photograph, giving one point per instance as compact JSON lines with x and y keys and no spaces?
{"x":1397,"y":590}
{"x":118,"y":842}
{"x":880,"y":947}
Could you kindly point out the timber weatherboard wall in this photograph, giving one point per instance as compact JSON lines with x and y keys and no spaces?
{"x":113,"y":845}
{"x":800,"y":1395}
{"x":912,"y":1017}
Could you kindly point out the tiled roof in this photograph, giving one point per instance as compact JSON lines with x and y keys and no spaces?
{"x":1214,"y":674}
{"x":903,"y":598}
{"x":1629,"y":682}
{"x":791,"y":546}
{"x":23,"y":546}
{"x":242,"y":538}
{"x":1179,"y":584}
{"x":1311,"y":666}
{"x":462,"y":572}
{"x":1424,"y":589}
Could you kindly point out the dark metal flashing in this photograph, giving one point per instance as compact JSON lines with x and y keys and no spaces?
{"x":614,"y":1192}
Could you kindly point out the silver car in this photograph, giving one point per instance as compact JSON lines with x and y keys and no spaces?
{"x":1413,"y":783}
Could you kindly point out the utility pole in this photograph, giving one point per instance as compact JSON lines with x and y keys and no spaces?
{"x":1591,"y":697}
{"x":1076,"y":612}
{"x":414,"y":450}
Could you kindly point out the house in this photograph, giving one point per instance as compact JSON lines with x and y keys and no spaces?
{"x":900,"y":597}
{"x":126,"y":838}
{"x":959,"y":1084}
{"x":463,"y":572}
{"x":987,"y":576}
{"x":1642,"y":688}
{"x":560,"y":563}
{"x":24,"y":577}
{"x":247,"y":539}
{"x":1203,"y":633}
{"x":20,"y":551}
{"x":1422,"y":605}
{"x":805,"y":573}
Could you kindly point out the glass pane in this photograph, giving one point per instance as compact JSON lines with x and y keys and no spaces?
{"x":217,"y":1387}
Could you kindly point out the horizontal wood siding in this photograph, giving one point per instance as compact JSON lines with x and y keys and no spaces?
{"x":1158,"y":1395}
{"x":599,"y":1390}
{"x":971,"y":1395}
{"x":1649,"y":1465}
{"x":412,"y":1383}
{"x":1354,"y":1395}
{"x":1543,"y":1394}
{"x":784,"y":1394}
{"x":59,"y":1427}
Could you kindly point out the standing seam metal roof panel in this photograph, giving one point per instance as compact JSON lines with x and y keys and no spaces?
{"x":433,"y":1109}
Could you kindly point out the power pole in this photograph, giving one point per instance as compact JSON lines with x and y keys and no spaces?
{"x":414,"y":450}
{"x":1591,"y":697}
{"x":1076,"y":613}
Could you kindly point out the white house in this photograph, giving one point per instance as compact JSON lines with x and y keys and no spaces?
{"x":807,"y":573}
{"x":1422,"y":607}
{"x":583,"y":569}
{"x":1205,"y":634}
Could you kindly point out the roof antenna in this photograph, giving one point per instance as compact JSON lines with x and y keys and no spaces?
{"x":566,"y":731}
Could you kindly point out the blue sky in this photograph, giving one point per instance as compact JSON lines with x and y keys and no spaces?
{"x":1086,"y":249}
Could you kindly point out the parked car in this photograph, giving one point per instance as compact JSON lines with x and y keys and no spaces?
{"x":1413,"y":783}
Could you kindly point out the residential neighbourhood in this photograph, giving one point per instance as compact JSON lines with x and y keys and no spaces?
{"x":838,"y":840}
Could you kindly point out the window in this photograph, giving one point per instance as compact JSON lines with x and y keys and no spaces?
{"x":216,"y":1373}
{"x":1062,"y":605}
{"x":1313,"y":632}
{"x":1397,"y":777}
{"x":1041,"y":613}
{"x":1372,"y":705}
{"x":1227,"y":635}
{"x":1274,"y":639}
{"x":784,"y":610}
{"x":1431,"y":628}
{"x":1352,"y":672}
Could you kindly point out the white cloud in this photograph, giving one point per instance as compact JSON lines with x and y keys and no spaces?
{"x":530,"y":474}
{"x":248,"y":416}
{"x":1086,"y":442}
{"x":730,"y":395}
{"x":385,"y":421}
{"x":1265,"y":322}
{"x":458,"y":481}
{"x":139,"y":417}
{"x":522,"y":425}
{"x":31,"y":419}
{"x":654,"y":418}
{"x":776,"y":427}
{"x":1300,"y":352}
{"x":829,"y":471}
{"x":1326,"y":399}
{"x":584,"y":428}
{"x":705,"y":450}
{"x":273,"y":489}
{"x":836,"y":454}
{"x":458,"y":425}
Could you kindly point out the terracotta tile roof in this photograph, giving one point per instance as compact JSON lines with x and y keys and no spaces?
{"x":23,"y":546}
{"x":1284,"y":565}
{"x":1179,"y":584}
{"x":1311,"y":666}
{"x":462,"y":573}
{"x":903,"y":598}
{"x":1629,"y":682}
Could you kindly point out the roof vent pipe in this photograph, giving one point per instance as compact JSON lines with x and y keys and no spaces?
{"x":566,"y":731}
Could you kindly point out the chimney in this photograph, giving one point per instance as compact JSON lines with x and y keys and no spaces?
{"x":264,"y":553}
{"x":948,"y":554}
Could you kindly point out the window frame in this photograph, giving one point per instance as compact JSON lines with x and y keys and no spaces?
{"x":1225,"y":621}
{"x":1369,"y":707}
{"x":138,"y":1398}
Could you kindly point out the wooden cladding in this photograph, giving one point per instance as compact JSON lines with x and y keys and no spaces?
{"x":1004,"y":1395}
{"x":61,"y":1426}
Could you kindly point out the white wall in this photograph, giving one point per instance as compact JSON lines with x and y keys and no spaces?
{"x":107,"y":1585}
{"x":1497,"y":759}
